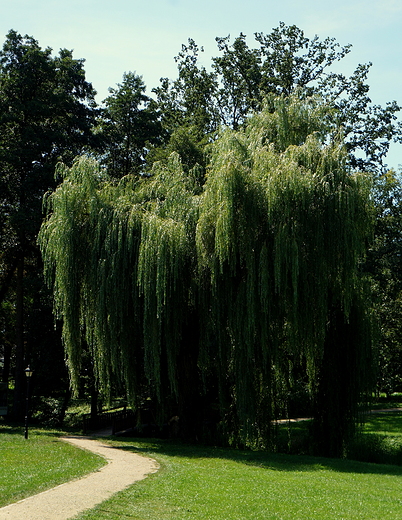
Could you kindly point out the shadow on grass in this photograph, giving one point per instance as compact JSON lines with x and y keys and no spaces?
{"x":389,"y":421}
{"x":12,"y":430}
{"x":271,"y":461}
{"x":17,"y":428}
{"x":268,"y":460}
{"x":393,"y":401}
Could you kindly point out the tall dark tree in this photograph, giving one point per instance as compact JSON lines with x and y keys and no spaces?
{"x":128,"y":128}
{"x":46,"y":115}
{"x":383,"y":263}
{"x":190,"y":99}
{"x":279,"y":63}
{"x":189,"y":113}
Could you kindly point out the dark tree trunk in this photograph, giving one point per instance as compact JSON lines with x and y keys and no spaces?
{"x":94,"y":402}
{"x":339,"y":388}
{"x":7,"y":363}
{"x":19,"y":388}
{"x":189,"y":402}
{"x":64,"y":406}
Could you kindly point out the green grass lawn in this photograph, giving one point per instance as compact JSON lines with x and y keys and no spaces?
{"x":28,"y":466}
{"x":383,"y":402}
{"x":200,"y":483}
{"x":389,"y":423}
{"x":217,"y":484}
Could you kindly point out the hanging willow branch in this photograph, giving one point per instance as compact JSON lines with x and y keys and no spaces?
{"x":229,"y":289}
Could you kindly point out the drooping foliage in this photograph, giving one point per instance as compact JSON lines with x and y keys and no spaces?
{"x":47,"y":111}
{"x":281,"y":234}
{"x":225,"y":295}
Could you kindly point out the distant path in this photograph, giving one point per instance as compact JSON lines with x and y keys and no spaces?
{"x":385,"y":410}
{"x":299,"y":419}
{"x":67,"y":500}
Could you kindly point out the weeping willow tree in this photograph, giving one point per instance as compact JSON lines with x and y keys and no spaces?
{"x":223,"y":293}
{"x":282,"y":227}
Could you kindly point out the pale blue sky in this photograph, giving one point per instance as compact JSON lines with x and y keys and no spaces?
{"x":117,"y":36}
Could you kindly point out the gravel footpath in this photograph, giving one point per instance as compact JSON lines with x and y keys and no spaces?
{"x":70,"y":499}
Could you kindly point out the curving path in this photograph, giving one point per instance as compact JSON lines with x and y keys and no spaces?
{"x":69,"y":499}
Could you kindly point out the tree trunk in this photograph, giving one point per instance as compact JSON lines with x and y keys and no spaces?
{"x":94,"y":402}
{"x":7,"y":361}
{"x":190,"y":413}
{"x":64,"y":406}
{"x":339,"y":387}
{"x":18,"y":401}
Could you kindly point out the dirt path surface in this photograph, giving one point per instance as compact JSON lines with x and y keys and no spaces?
{"x":67,"y":500}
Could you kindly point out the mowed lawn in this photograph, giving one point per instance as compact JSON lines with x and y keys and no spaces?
{"x":28,"y":466}
{"x":388,"y":424}
{"x":197,"y":482}
{"x":215,"y":484}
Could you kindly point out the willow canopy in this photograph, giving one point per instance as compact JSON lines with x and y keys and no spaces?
{"x":216,"y":301}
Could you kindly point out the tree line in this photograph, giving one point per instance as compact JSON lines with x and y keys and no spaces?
{"x":224,"y":248}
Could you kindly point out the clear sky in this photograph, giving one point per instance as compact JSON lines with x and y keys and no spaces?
{"x":118,"y":36}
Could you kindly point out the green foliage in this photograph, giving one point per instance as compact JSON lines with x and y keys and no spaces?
{"x":192,"y":149}
{"x":383,"y":265}
{"x":128,"y":127}
{"x":46,"y":115}
{"x":380,"y":449}
{"x":281,"y":234}
{"x":382,"y":401}
{"x":232,"y":291}
{"x":279,"y":63}
{"x":380,"y":438}
{"x":190,"y":99}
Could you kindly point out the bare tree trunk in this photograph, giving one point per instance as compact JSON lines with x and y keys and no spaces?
{"x":64,"y":406}
{"x":94,"y":402}
{"x":7,"y":361}
{"x":18,"y":403}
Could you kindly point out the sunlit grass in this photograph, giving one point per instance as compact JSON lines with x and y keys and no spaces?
{"x":199,"y":483}
{"x":28,"y":466}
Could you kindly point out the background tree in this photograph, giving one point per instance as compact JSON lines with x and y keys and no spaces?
{"x":190,"y":99}
{"x":189,"y":114}
{"x":213,"y":297}
{"x":384,"y":266}
{"x":129,"y":126}
{"x":46,"y":115}
{"x":280,"y":62}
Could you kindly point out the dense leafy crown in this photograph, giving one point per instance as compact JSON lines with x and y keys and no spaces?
{"x":258,"y":260}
